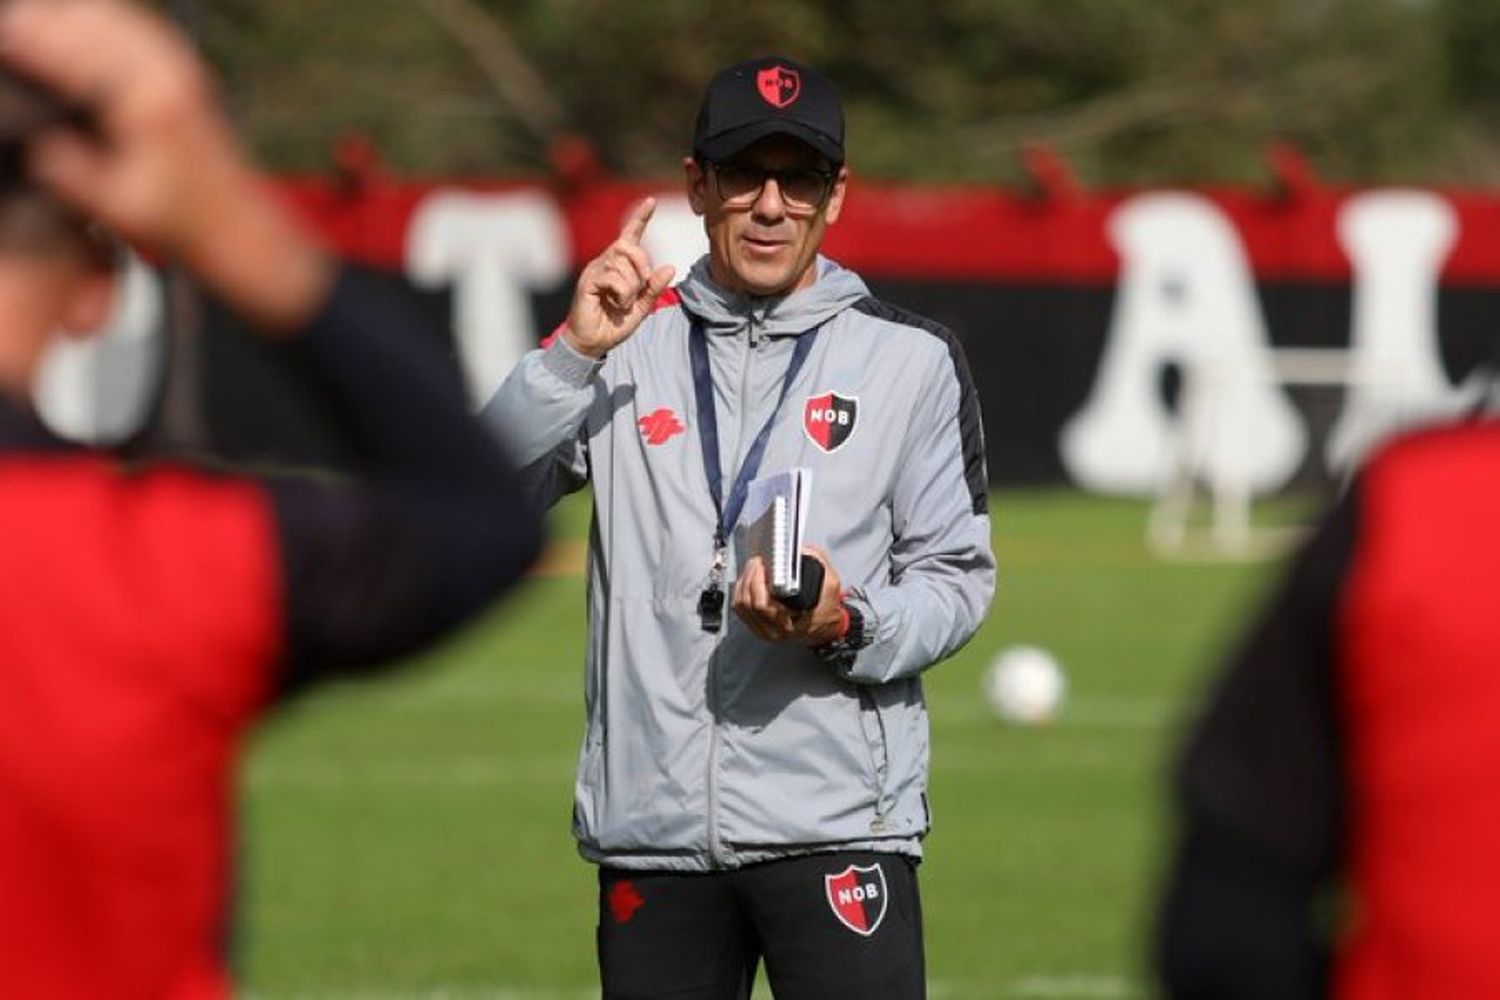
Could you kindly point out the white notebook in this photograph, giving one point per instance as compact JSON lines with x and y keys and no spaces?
{"x":775,"y":518}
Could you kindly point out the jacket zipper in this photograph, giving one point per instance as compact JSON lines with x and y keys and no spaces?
{"x":715,"y":845}
{"x":715,"y":848}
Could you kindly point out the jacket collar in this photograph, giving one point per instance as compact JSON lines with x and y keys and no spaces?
{"x":726,"y":312}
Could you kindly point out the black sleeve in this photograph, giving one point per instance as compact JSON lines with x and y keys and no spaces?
{"x":435,"y":525}
{"x":1260,"y":793}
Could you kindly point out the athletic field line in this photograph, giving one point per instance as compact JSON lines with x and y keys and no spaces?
{"x":463,"y":772}
{"x":1074,"y":986}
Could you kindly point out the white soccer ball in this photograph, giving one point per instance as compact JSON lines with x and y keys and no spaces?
{"x":1025,"y":685}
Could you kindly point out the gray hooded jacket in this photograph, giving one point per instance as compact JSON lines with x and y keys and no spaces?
{"x":707,"y":751}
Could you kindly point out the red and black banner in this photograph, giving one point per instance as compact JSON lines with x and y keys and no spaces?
{"x":1068,"y":304}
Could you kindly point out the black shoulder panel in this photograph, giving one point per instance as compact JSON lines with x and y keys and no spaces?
{"x":970,"y":425}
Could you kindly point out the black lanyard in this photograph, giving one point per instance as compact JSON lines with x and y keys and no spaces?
{"x":711,"y":603}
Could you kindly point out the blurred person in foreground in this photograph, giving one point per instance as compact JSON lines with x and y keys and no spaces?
{"x":1339,"y":799}
{"x":147,"y":616}
{"x":754,"y":785}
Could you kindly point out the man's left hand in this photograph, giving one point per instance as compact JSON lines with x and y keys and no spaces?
{"x":773,"y":621}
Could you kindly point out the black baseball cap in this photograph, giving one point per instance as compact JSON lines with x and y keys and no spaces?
{"x":772,"y":95}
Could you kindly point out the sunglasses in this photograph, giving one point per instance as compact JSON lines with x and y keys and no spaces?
{"x":803,"y":189}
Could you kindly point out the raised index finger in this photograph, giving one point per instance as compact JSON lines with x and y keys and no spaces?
{"x":635,"y":226}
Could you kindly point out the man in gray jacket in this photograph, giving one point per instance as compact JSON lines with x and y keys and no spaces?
{"x":754,"y":785}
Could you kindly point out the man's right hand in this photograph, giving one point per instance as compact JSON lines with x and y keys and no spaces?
{"x":617,"y":290}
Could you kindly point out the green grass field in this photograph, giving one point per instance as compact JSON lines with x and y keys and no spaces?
{"x":410,"y":838}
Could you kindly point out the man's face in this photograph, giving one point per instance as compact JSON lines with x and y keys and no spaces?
{"x":765,"y":211}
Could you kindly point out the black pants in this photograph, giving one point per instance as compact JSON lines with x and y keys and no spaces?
{"x":827,"y":925}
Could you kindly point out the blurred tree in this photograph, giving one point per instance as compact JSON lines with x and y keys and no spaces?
{"x":1129,"y":91}
{"x":1471,"y":37}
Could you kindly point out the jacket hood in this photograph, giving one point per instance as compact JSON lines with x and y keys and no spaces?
{"x":726,"y":312}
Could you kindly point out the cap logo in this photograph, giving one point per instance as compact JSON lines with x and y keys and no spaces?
{"x":778,"y":85}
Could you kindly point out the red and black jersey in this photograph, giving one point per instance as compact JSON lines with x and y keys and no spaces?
{"x":147,"y":617}
{"x":140,"y":616}
{"x":1341,"y":795}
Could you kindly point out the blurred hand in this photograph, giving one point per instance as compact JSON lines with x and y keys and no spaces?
{"x":616,"y":290}
{"x":165,"y":169}
{"x":773,"y":621}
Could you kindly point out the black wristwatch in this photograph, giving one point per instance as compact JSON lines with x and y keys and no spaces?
{"x":841,"y":651}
